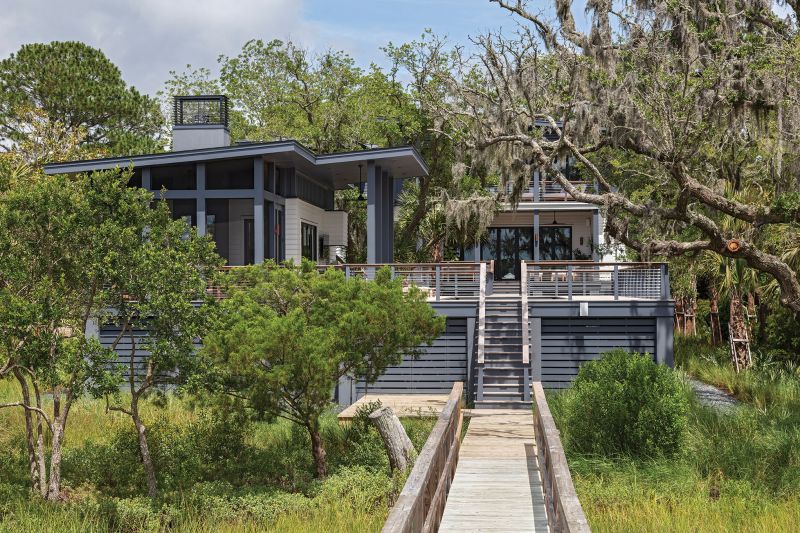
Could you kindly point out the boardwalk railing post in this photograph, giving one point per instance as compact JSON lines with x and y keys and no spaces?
{"x":347,"y":272}
{"x":564,"y":511}
{"x":421,"y":502}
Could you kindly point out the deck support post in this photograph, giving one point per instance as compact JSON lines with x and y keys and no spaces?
{"x":615,"y":281}
{"x":200,"y":204}
{"x":536,"y":233}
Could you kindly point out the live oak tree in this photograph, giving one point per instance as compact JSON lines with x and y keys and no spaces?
{"x":157,"y":297}
{"x":80,"y":87}
{"x":286,"y":335}
{"x":55,"y":234}
{"x":76,"y":251}
{"x":678,"y":110}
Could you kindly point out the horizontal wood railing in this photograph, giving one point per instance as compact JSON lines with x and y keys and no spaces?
{"x":420,"y":506}
{"x":564,"y":511}
{"x":570,"y":280}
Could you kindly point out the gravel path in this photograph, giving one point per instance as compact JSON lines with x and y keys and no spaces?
{"x":711,"y":396}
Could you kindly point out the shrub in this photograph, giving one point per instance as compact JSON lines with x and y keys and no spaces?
{"x":625,"y":404}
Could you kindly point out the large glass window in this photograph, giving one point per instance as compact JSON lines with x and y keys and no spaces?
{"x":555,"y":243}
{"x":308,"y":233}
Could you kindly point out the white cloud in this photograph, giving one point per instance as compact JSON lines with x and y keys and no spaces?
{"x":148,"y":38}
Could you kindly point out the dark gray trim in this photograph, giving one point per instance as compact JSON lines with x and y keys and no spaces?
{"x":611,"y":308}
{"x":227,"y":152}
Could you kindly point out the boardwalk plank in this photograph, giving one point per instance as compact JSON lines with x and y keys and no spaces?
{"x":497,"y":486}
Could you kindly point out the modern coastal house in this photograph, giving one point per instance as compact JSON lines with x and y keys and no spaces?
{"x":530,"y":303}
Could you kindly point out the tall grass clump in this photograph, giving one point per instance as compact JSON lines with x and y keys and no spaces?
{"x":626,"y":404}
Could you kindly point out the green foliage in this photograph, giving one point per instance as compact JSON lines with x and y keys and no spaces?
{"x":77,"y":85}
{"x":285,"y":336}
{"x":626,"y":404}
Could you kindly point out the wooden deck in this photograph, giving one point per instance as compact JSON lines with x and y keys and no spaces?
{"x":403,"y":405}
{"x":497,"y":486}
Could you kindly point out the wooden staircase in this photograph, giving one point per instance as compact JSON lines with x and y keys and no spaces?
{"x":501,"y":379}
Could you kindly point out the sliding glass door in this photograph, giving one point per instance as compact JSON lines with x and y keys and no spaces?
{"x":555,"y":243}
{"x":507,"y":247}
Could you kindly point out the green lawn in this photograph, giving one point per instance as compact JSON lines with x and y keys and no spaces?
{"x":214,"y":474}
{"x":735,"y":472}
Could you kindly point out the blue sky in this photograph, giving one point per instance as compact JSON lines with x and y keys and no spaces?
{"x":148,"y":38}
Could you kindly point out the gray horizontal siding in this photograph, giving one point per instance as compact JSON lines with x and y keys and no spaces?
{"x":434,"y":372}
{"x":109,"y":332}
{"x":569,"y":342}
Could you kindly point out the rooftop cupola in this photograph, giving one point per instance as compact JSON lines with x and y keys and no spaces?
{"x":200,"y":122}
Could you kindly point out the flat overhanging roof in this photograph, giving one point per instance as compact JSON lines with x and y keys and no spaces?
{"x":339,"y":169}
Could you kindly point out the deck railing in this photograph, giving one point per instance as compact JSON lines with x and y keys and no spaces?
{"x":564,"y":511}
{"x":459,"y":280}
{"x":420,"y":506}
{"x":576,"y":280}
{"x":550,"y":190}
{"x":447,"y":280}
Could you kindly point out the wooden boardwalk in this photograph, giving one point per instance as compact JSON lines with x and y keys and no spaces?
{"x":497,"y":486}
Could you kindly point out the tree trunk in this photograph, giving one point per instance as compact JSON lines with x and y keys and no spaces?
{"x":398,"y":446}
{"x":144,"y":451}
{"x":33,"y":465}
{"x":317,"y":450}
{"x":679,"y":316}
{"x":716,"y":328}
{"x":689,"y":312}
{"x":54,"y":488}
{"x":738,"y":332}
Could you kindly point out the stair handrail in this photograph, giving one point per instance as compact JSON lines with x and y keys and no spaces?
{"x":526,"y":344}
{"x":524,"y":303}
{"x":482,"y":313}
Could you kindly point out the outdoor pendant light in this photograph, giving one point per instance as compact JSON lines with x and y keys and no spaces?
{"x":555,"y":222}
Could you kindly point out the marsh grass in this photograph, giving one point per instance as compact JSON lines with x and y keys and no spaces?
{"x":216,"y":473}
{"x":735,"y":472}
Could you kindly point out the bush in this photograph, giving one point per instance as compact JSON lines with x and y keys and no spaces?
{"x":625,"y":404}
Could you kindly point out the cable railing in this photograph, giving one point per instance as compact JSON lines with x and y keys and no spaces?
{"x":588,"y":280}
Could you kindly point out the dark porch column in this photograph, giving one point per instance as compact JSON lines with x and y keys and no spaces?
{"x":271,"y":249}
{"x":201,"y":198}
{"x":388,"y":218}
{"x":258,"y":210}
{"x":374,"y":213}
